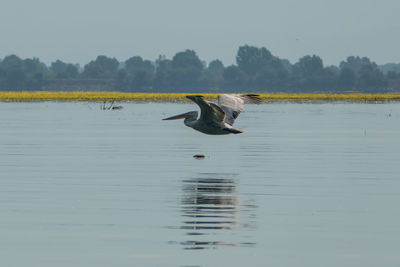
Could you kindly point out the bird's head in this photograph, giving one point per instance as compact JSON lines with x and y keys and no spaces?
{"x":193,"y":97}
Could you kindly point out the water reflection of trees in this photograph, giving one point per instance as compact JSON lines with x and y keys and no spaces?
{"x":210,"y":208}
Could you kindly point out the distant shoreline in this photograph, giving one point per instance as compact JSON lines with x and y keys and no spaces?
{"x":256,"y":69}
{"x":81,"y":96}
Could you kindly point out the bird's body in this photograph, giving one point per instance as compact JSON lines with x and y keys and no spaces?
{"x":211,"y":127}
{"x":216,"y":119}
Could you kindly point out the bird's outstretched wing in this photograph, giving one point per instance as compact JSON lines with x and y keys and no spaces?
{"x":232,"y":105}
{"x":209,"y":111}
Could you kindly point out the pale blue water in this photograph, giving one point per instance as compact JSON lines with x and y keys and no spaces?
{"x":304,"y":185}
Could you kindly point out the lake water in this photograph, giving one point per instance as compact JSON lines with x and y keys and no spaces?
{"x":304,"y":185}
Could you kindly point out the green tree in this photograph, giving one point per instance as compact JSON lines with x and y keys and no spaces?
{"x":141,"y":73}
{"x":261,"y":69}
{"x":370,"y":77}
{"x":390,"y":67}
{"x":71,"y":71}
{"x":309,"y":74}
{"x":93,"y":70}
{"x":251,"y":59}
{"x":355,"y":63}
{"x":137,"y":63}
{"x":63,"y":70}
{"x":234,"y":78}
{"x":34,"y":66}
{"x":308,"y":65}
{"x":393,"y":75}
{"x":103,"y":67}
{"x":367,"y":73}
{"x":216,"y":68}
{"x":347,"y":79}
{"x":187,"y":59}
{"x":122,"y":80}
{"x":162,"y":77}
{"x":212,"y":76}
{"x":12,"y":62}
{"x":13,"y":71}
{"x":326,"y":79}
{"x":271,"y":78}
{"x":182,"y":73}
{"x":35,"y":72}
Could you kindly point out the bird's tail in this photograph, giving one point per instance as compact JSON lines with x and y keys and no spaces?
{"x":251,"y":98}
{"x":234,"y":130}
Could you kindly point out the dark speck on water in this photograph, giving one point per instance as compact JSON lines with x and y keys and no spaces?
{"x":199,"y":156}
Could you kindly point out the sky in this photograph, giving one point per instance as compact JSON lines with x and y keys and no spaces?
{"x":77,"y":31}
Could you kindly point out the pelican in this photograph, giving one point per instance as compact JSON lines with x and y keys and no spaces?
{"x":216,"y":119}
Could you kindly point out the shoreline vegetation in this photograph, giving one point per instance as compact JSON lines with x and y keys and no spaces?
{"x":82,"y":96}
{"x":256,"y":69}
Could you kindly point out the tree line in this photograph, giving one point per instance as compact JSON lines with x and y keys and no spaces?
{"x":256,"y":69}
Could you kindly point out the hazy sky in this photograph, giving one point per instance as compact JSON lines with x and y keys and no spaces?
{"x":76,"y":31}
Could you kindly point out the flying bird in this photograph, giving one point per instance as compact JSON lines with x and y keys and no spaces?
{"x":216,"y":119}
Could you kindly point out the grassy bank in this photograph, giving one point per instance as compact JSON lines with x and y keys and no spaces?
{"x":174,"y":97}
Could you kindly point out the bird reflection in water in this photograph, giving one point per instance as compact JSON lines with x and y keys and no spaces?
{"x":210,"y":208}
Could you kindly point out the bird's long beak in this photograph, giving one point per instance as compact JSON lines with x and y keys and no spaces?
{"x":177,"y":117}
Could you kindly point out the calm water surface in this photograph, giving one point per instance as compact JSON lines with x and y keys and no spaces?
{"x":305,"y":185}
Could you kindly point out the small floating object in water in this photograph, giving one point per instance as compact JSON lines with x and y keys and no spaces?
{"x":199,"y":156}
{"x":111,"y":106}
{"x":117,"y":107}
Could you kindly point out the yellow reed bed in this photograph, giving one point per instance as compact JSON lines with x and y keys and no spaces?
{"x":86,"y":96}
{"x":350,"y":97}
{"x":179,"y":97}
